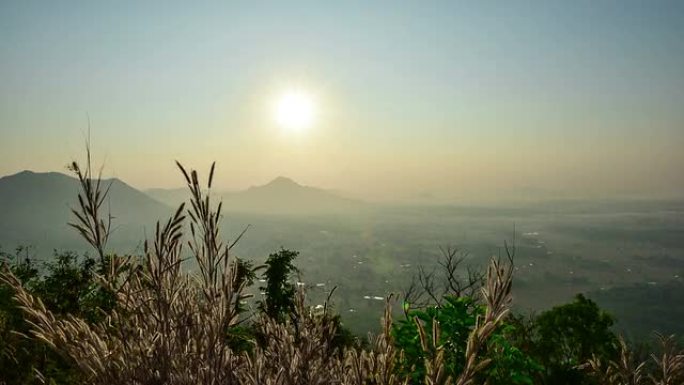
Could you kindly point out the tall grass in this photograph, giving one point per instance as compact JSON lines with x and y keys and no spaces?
{"x":665,"y":367}
{"x":171,"y":327}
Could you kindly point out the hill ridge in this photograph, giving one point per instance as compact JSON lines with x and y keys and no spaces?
{"x":280,"y":195}
{"x":36,"y":207}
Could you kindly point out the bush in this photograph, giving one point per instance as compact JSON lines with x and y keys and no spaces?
{"x":67,"y":287}
{"x":567,"y":336}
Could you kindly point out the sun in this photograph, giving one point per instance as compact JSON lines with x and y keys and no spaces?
{"x":295,"y":111}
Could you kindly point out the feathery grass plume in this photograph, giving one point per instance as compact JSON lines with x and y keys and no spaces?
{"x":377,"y":365}
{"x":665,"y":368}
{"x":627,"y":370}
{"x":669,"y":364}
{"x":435,"y":373}
{"x":298,"y":350}
{"x":497,"y":297}
{"x":90,"y":222}
{"x":170,"y":327}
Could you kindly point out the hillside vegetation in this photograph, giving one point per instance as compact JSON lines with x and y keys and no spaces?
{"x":142,"y":319}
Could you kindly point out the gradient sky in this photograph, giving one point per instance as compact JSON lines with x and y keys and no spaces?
{"x":452,"y":99}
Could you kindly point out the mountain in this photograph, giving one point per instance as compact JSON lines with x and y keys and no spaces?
{"x":285,"y":196}
{"x":171,"y":197}
{"x":35,"y":210}
{"x":280,"y":196}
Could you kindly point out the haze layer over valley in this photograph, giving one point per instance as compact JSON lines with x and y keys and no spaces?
{"x":563,"y":247}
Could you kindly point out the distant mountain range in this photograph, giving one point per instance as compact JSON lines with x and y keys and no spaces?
{"x":280,"y":196}
{"x":35,"y":207}
{"x":35,"y":210}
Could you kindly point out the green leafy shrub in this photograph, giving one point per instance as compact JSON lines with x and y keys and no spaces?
{"x":510,"y":364}
{"x":567,"y":336}
{"x":279,"y":290}
{"x":67,"y":286}
{"x":456,"y":318}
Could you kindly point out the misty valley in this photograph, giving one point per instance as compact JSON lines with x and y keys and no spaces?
{"x":628,"y":255}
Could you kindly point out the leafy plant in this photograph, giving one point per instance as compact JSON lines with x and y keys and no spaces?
{"x":510,"y":364}
{"x":67,"y":286}
{"x":279,"y":291}
{"x":567,"y":336}
{"x":456,"y":317}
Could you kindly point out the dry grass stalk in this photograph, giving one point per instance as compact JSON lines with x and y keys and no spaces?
{"x":666,"y":368}
{"x":298,"y":351}
{"x":624,"y":371}
{"x":435,"y":373}
{"x":377,"y":365}
{"x":90,"y":223}
{"x":669,"y":364}
{"x":497,"y":298}
{"x":170,"y":327}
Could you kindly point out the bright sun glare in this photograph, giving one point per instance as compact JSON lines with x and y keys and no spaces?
{"x":295,"y":111}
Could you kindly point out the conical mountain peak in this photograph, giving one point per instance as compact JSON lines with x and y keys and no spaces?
{"x":282,"y":181}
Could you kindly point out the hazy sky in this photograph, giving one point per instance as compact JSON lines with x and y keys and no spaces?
{"x":453,"y":99}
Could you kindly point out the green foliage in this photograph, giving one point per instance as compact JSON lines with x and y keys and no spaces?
{"x":12,"y":349}
{"x":245,"y":276}
{"x":456,"y":318}
{"x":544,"y":350}
{"x":279,"y":291}
{"x":567,"y":336}
{"x":246,"y":273}
{"x":20,"y":356}
{"x":343,"y":338}
{"x":69,"y":287}
{"x":241,"y":338}
{"x":66,"y":285}
{"x":510,"y":363}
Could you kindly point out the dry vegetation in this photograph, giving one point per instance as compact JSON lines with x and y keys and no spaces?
{"x":665,"y":368}
{"x":170,"y":327}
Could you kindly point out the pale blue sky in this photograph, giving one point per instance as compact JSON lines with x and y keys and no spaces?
{"x":454,"y":98}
